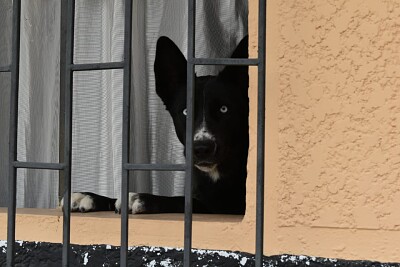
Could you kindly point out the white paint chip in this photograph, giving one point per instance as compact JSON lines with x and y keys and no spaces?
{"x":86,"y":258}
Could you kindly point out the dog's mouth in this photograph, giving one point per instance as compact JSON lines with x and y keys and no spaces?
{"x":207,"y":167}
{"x":205,"y":164}
{"x":210,"y":168}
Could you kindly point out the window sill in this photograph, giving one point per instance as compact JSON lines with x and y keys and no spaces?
{"x":209,"y":230}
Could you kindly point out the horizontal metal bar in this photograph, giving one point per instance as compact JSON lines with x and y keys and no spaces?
{"x":154,"y":167}
{"x":5,"y":68}
{"x":97,"y":66}
{"x":39,"y":165}
{"x":225,"y":61}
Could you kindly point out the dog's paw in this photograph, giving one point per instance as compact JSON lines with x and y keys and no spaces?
{"x":135,"y":205}
{"x":80,"y":202}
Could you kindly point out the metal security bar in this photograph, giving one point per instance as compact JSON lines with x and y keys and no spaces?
{"x":5,"y":68}
{"x":187,"y":245}
{"x":262,"y":9}
{"x":67,"y":30}
{"x":12,"y":182}
{"x":67,"y":68}
{"x":260,"y":63}
{"x":125,"y":132}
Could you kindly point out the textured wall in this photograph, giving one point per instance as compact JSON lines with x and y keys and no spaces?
{"x":332,"y":144}
{"x":335,"y":67}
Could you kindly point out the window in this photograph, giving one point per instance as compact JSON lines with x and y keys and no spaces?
{"x":69,"y":67}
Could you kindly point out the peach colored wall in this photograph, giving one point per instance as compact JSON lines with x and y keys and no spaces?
{"x":332,"y":144}
{"x":333,"y":128}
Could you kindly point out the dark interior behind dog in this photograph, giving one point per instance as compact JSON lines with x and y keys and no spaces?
{"x":221,"y":137}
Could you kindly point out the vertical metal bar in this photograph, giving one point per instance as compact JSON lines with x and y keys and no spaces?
{"x":12,"y":181}
{"x":189,"y":133}
{"x":260,"y":133}
{"x":125,"y":132}
{"x":68,"y":89}
{"x":63,"y":66}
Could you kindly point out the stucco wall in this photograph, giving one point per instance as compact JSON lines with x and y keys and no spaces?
{"x":332,"y":144}
{"x":333,"y":120}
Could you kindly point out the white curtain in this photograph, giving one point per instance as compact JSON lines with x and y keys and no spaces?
{"x":97,"y":107}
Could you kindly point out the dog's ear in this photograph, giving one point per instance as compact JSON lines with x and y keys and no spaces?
{"x":169,"y":69}
{"x":238,"y":74}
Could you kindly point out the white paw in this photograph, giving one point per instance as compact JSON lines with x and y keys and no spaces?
{"x":80,"y":202}
{"x":135,"y":204}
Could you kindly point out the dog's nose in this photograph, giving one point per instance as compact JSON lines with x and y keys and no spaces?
{"x":204,"y":149}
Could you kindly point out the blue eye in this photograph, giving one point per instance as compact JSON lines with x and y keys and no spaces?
{"x":184,"y":112}
{"x":224,"y":109}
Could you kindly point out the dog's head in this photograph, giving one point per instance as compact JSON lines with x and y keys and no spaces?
{"x":221,"y":106}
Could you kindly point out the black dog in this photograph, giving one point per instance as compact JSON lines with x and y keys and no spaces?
{"x":221,"y":137}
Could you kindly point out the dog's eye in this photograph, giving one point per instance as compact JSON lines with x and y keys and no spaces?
{"x":184,"y":112}
{"x":224,"y":109}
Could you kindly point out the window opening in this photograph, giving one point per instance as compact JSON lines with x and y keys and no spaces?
{"x":67,"y":69}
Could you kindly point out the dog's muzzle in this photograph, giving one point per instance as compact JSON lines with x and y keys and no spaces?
{"x":204,"y":151}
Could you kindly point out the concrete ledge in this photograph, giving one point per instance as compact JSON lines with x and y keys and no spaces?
{"x":45,"y":225}
{"x":213,"y":232}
